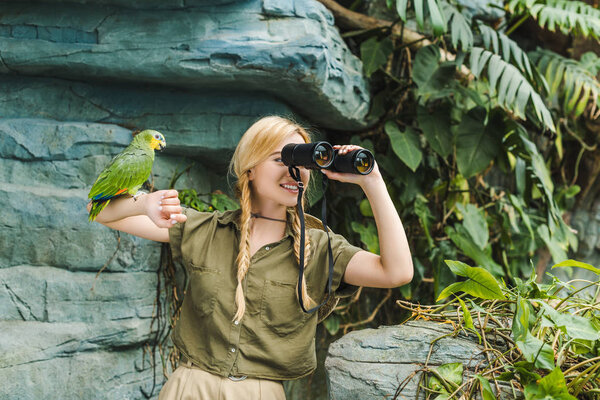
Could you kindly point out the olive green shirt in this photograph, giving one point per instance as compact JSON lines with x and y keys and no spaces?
{"x":275,"y":339}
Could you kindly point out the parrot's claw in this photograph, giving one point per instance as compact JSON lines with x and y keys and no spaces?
{"x":138,"y":194}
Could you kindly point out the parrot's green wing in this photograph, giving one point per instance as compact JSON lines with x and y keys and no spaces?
{"x":124,"y":174}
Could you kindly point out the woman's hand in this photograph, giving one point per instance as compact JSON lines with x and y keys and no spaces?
{"x":362,"y":180}
{"x":163,"y":208}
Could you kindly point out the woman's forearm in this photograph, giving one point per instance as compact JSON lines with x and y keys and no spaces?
{"x":122,"y":207}
{"x":395,"y":253}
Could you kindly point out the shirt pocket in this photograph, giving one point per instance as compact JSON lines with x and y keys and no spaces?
{"x":280,"y":309}
{"x":204,"y":286}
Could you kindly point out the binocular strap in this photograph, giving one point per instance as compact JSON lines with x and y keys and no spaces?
{"x":295,"y":173}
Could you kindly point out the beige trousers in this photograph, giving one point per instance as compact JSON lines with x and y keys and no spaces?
{"x":193,"y":383}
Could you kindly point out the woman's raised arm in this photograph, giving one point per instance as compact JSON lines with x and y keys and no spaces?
{"x":149,"y":216}
{"x":394,"y":266}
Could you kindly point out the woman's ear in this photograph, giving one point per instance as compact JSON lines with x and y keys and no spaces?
{"x":250,"y":173}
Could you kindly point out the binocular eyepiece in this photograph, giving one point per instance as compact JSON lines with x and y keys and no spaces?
{"x":319,"y":155}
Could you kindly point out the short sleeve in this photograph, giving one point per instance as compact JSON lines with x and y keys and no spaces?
{"x":180,"y":234}
{"x":342,"y":252}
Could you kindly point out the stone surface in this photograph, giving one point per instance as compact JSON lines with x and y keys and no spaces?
{"x":243,"y":45}
{"x":371,"y":363}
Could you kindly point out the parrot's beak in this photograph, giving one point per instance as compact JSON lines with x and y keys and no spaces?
{"x":161,"y":145}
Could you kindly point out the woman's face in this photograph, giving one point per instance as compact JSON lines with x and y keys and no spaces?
{"x":272,"y":184}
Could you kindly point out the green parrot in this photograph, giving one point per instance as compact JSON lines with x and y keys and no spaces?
{"x":127,"y":171}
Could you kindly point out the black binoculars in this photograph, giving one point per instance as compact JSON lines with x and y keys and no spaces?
{"x":321,"y":155}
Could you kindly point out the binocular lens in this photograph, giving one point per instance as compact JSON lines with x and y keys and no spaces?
{"x":355,"y":162}
{"x":322,"y":155}
{"x":363,"y":163}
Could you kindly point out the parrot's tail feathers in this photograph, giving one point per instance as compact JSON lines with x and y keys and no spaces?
{"x":97,"y":206}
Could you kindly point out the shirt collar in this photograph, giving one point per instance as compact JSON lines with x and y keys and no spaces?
{"x":232,"y":217}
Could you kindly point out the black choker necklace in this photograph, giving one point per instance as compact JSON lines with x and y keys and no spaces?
{"x":269,"y":218}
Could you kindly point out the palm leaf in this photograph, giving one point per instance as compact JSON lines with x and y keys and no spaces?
{"x":569,"y":80}
{"x":569,"y":16}
{"x":460,"y":27}
{"x":510,"y":51}
{"x":590,"y":62}
{"x":424,"y":8}
{"x":513,"y":90}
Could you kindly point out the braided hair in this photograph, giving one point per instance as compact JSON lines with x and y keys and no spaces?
{"x":254,"y":147}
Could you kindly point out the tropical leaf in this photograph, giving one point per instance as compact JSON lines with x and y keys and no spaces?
{"x":534,"y":350}
{"x":424,"y":8}
{"x":552,"y":386}
{"x":368,"y":235}
{"x":486,"y":389}
{"x":575,"y":326}
{"x":578,"y":264}
{"x":569,"y":80}
{"x":476,"y":143}
{"x":511,"y":52}
{"x":448,"y":377}
{"x":569,"y":16}
{"x":480,"y":283}
{"x":475,"y":223}
{"x":374,"y":53}
{"x":514,"y":92}
{"x":461,"y":238}
{"x":468,"y":318}
{"x":536,"y":168}
{"x":422,"y":211}
{"x":590,"y":62}
{"x":405,"y":144}
{"x":433,"y":78}
{"x":435,"y":124}
{"x":460,"y":27}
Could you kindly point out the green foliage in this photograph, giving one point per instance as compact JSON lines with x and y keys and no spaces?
{"x":548,"y":346}
{"x":573,"y":82}
{"x":513,"y":91}
{"x":405,"y":145}
{"x":374,"y":53}
{"x":424,"y":9}
{"x":480,"y":283}
{"x":476,"y":146}
{"x":446,"y":378}
{"x":486,"y":389}
{"x":460,"y":28}
{"x":552,"y":386}
{"x":209,"y":202}
{"x":568,"y":16}
{"x":510,"y":51}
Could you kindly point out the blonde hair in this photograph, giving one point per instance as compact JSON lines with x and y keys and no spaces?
{"x":255,"y":146}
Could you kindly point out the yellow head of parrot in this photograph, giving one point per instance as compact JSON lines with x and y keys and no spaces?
{"x":158,"y":141}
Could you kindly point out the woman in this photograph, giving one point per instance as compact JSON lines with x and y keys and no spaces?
{"x":241,"y":330}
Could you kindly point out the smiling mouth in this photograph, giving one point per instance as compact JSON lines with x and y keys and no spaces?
{"x":290,"y":188}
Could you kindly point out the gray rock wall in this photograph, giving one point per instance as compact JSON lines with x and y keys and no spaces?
{"x":372,"y":363}
{"x":245,"y":44}
{"x":76,"y":77}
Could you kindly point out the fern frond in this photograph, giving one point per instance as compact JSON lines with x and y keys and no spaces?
{"x":569,"y":81}
{"x":513,"y":90}
{"x":424,"y":8}
{"x":499,"y":43}
{"x":569,"y":16}
{"x":591,"y":62}
{"x":460,"y":27}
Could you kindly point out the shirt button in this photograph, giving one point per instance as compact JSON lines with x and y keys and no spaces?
{"x":232,"y":350}
{"x":267,"y":248}
{"x":236,"y":322}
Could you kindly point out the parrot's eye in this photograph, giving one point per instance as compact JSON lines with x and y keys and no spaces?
{"x":156,"y":137}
